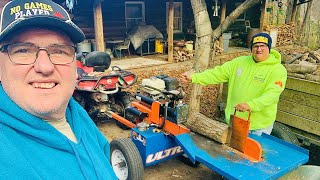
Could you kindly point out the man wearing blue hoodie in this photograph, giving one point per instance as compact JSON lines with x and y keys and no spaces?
{"x":44,"y":133}
{"x":255,"y":83}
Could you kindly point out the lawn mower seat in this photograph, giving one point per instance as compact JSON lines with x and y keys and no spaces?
{"x":100,"y":61}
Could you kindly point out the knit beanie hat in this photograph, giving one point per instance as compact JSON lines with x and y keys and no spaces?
{"x":261,"y":38}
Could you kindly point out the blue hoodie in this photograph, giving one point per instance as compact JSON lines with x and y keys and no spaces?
{"x":30,"y":148}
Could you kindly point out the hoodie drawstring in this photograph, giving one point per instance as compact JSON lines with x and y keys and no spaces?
{"x":78,"y":159}
{"x":89,"y":154}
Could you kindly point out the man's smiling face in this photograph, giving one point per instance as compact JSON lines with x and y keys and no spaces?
{"x":260,"y":52}
{"x":43,"y":89}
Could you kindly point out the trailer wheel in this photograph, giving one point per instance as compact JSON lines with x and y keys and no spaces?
{"x":281,"y":131}
{"x":126,"y":160}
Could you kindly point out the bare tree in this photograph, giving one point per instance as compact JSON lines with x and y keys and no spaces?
{"x":204,"y":43}
{"x":289,"y":10}
{"x":206,"y":38}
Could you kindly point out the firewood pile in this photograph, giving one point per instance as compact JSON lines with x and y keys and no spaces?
{"x":208,"y":105}
{"x":181,"y":52}
{"x":303,"y":65}
{"x":285,"y":33}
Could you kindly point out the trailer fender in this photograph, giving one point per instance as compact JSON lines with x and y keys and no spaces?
{"x":281,"y":131}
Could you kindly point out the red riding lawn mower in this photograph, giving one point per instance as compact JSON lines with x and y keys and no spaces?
{"x":100,"y":89}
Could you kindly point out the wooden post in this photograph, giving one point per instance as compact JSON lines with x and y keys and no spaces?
{"x":294,"y":11}
{"x":98,"y":27}
{"x":222,"y":18}
{"x":170,"y":32}
{"x":262,"y":16}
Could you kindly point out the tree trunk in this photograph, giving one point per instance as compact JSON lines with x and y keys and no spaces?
{"x":294,"y":11}
{"x":289,"y":10}
{"x":203,"y":47}
{"x":222,"y":18}
{"x":306,"y":22}
{"x":210,"y":128}
{"x":204,"y":42}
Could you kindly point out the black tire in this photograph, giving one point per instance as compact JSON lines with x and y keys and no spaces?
{"x":281,"y":131}
{"x":124,"y":153}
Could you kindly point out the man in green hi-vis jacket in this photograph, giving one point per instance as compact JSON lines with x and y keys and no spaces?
{"x":255,"y":83}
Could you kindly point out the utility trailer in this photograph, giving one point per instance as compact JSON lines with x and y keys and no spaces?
{"x":157,"y":139}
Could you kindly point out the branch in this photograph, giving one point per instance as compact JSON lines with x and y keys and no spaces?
{"x":232,"y":17}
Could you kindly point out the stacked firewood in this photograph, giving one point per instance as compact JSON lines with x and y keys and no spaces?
{"x":285,"y":33}
{"x":181,"y":53}
{"x":304,"y":65}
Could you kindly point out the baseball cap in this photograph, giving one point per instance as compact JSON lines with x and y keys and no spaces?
{"x":261,"y":38}
{"x":17,"y":14}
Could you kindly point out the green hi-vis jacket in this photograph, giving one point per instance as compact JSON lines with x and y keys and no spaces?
{"x":257,"y":84}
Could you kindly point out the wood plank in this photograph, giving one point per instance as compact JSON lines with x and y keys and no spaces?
{"x":301,"y":98}
{"x":98,"y":28}
{"x":302,"y":85}
{"x":299,"y":110}
{"x":170,"y":31}
{"x":299,"y":122}
{"x":262,"y":15}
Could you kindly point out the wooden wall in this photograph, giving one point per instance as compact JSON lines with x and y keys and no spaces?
{"x":155,"y":14}
{"x":114,"y":17}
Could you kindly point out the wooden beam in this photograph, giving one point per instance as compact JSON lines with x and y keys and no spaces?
{"x":262,"y":16}
{"x":302,"y":98}
{"x":300,"y":110}
{"x":310,"y":87}
{"x":299,"y":122}
{"x":98,"y":27}
{"x":170,"y":31}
